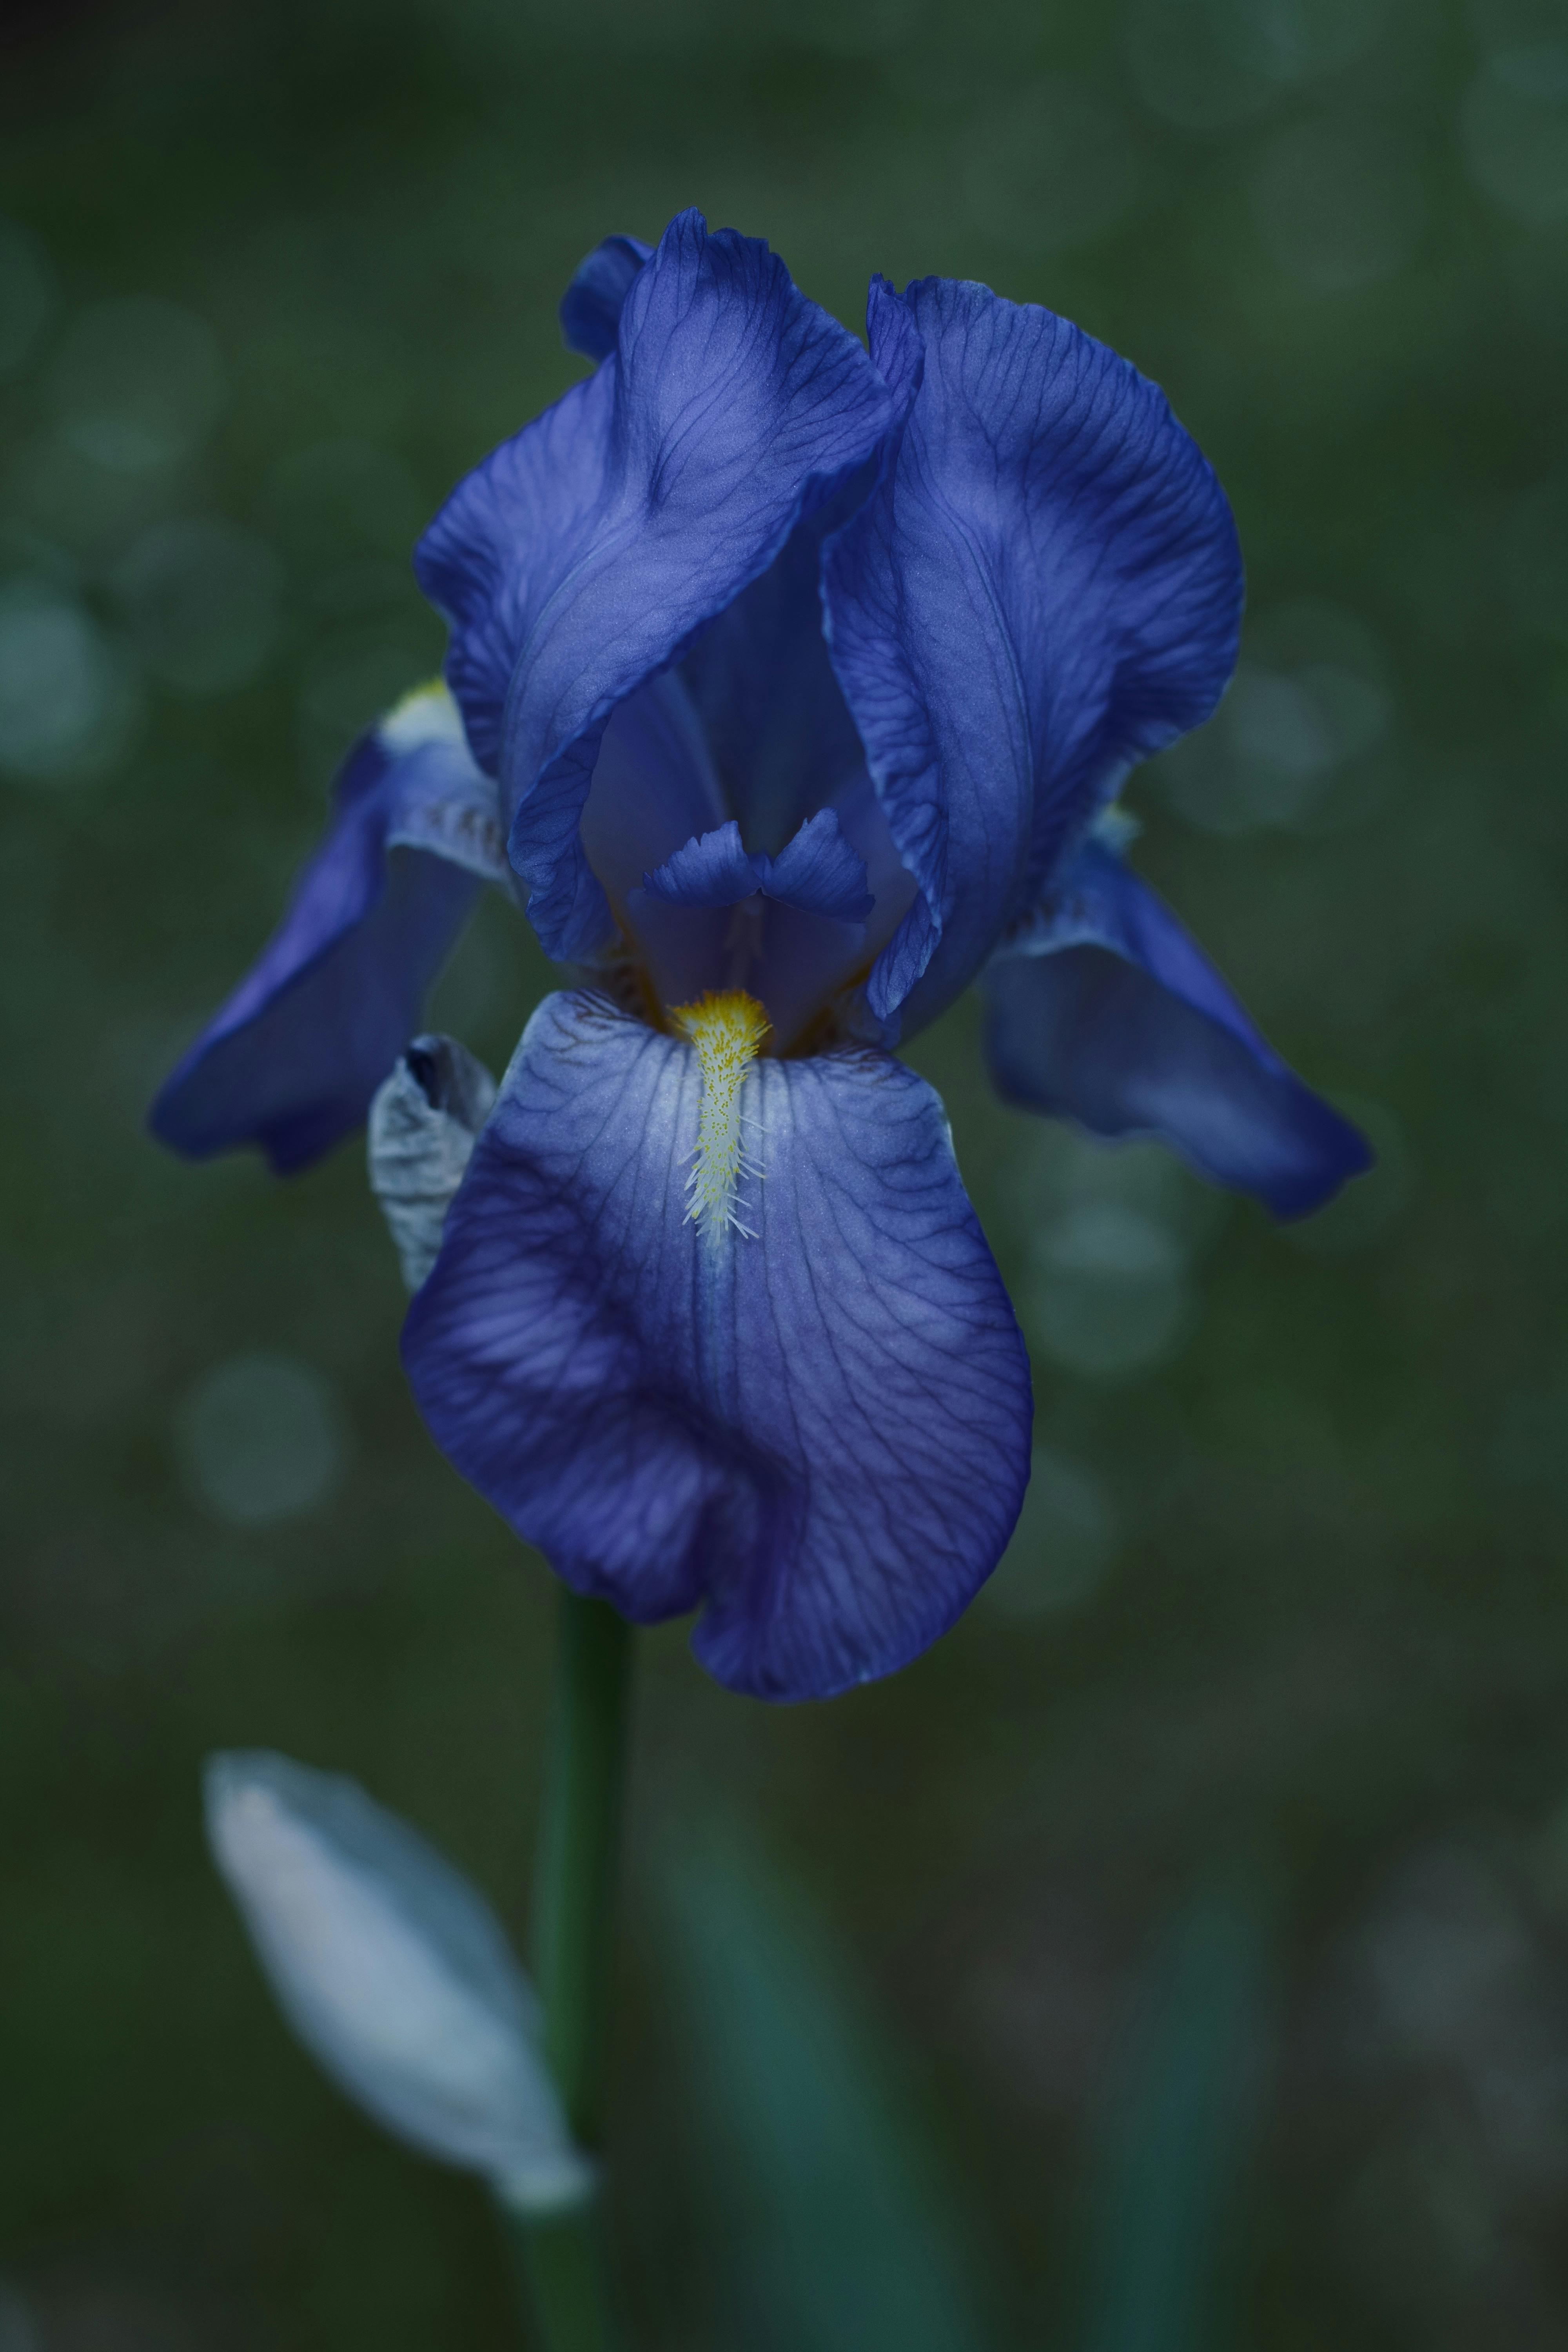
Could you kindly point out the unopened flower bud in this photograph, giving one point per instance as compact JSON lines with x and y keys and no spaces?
{"x":422,"y":1122}
{"x":395,"y":1973}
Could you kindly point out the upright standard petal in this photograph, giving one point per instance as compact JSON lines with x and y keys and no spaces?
{"x":1043,"y":587}
{"x":783,"y":740}
{"x":820,"y":1435}
{"x":395,"y":1973}
{"x":588,"y":552}
{"x":654,"y":788}
{"x":291,"y":1061}
{"x":1109,"y":1014}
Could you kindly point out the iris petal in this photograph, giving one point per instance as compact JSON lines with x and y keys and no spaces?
{"x":819,"y":873}
{"x":654,"y":787}
{"x":822,"y":1433}
{"x":592,"y":305}
{"x":291,"y":1061}
{"x":783,"y":739}
{"x":588,"y":552}
{"x":1112,"y":1016}
{"x":712,"y":870}
{"x":1043,"y":587}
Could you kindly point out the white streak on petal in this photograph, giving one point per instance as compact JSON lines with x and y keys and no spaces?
{"x":422,"y":1122}
{"x":428,"y":715}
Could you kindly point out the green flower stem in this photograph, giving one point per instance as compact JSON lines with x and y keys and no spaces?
{"x":574,"y":1891}
{"x":562,"y":2260}
{"x":564,"y":2277}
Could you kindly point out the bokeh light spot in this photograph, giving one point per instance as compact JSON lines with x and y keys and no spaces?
{"x":1514,"y":127}
{"x":1291,"y":744}
{"x":1064,"y":1546}
{"x":1055,"y":168}
{"x":202,"y":599}
{"x":1107,"y":1294}
{"x":67,"y":699}
{"x":261,"y":1439}
{"x":1209,"y":64}
{"x":1534,"y":551}
{"x":138,"y":384}
{"x":28,"y":294}
{"x":1340,"y":202}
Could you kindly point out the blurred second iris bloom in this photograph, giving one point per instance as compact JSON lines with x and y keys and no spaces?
{"x":792,"y":685}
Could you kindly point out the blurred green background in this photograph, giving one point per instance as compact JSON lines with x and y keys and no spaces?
{"x":1208,"y":1885}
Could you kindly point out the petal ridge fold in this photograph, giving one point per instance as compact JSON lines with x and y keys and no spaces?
{"x":589,"y":552}
{"x":1045,"y":587}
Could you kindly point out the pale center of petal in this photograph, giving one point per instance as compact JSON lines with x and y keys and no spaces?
{"x":727,"y":1027}
{"x":427,"y":714}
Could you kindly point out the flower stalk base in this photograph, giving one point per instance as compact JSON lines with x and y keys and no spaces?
{"x":561,"y":2261}
{"x":564,"y":2279}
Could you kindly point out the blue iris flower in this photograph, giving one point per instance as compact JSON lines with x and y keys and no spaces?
{"x":799,"y":680}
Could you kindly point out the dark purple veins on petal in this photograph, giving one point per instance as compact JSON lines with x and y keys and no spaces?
{"x":592,"y":551}
{"x":820,"y":1436}
{"x":1043,"y":587}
